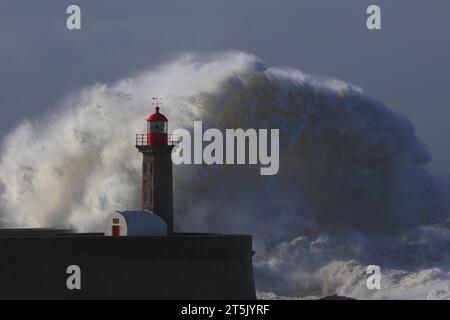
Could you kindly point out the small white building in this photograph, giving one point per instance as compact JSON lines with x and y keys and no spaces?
{"x":135,"y":223}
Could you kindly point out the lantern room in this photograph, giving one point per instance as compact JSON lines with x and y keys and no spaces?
{"x":157,"y":128}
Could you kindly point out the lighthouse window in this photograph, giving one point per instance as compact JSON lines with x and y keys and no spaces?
{"x":116,"y":221}
{"x":158,"y":127}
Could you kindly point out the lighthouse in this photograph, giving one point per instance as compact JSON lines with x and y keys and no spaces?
{"x":156,"y":146}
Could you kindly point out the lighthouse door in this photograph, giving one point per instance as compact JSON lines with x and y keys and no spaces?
{"x":115,"y":231}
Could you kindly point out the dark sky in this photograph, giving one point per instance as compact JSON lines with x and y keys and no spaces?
{"x":406,"y":64}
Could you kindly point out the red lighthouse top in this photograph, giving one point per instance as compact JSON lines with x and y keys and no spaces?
{"x":157,"y":117}
{"x":157,"y":125}
{"x":157,"y":130}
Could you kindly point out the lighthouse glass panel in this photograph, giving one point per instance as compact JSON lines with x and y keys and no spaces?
{"x":157,"y":127}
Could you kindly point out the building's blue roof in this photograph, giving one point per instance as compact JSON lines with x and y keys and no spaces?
{"x":144,"y":223}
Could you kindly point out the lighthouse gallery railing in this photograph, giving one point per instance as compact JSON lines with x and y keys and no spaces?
{"x":141,"y":139}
